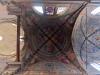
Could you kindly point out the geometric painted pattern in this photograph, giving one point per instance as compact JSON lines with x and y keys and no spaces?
{"x":86,"y":37}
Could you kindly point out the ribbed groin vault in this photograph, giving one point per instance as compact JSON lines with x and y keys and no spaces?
{"x":47,"y":46}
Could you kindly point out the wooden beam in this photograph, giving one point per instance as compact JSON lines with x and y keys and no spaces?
{"x":54,"y":1}
{"x":49,"y":1}
{"x":18,"y":39}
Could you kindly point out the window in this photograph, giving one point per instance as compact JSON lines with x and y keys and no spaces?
{"x":38,"y":9}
